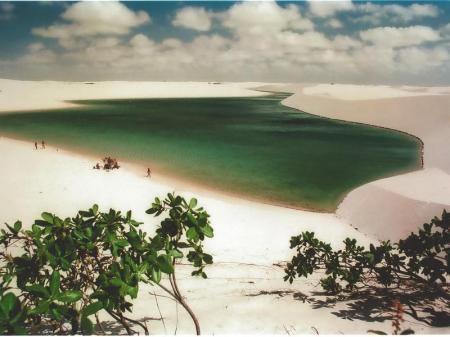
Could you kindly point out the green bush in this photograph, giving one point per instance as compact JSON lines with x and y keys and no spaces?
{"x":57,"y":276}
{"x":423,"y":258}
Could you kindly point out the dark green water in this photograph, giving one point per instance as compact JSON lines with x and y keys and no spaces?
{"x":254,"y":147}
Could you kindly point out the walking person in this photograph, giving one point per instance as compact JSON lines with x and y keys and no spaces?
{"x":43,"y":144}
{"x":149,"y":173}
{"x":35,"y":145}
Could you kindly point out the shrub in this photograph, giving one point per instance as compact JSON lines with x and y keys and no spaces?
{"x":420,"y":258}
{"x":58,"y":275}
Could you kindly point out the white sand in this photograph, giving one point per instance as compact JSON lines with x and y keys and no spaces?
{"x":249,"y":237}
{"x":31,"y":95}
{"x":352,"y":92}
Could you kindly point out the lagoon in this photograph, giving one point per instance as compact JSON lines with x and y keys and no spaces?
{"x":254,"y":147}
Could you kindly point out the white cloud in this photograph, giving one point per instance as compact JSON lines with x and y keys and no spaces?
{"x":399,"y":37}
{"x":256,"y":18}
{"x":342,"y":42}
{"x":92,"y":18}
{"x":35,"y":47}
{"x":38,"y":54}
{"x":6,"y":10}
{"x":6,"y":7}
{"x":269,"y":41}
{"x":329,"y":8}
{"x":142,"y":42}
{"x":376,"y":13}
{"x":196,"y":18}
{"x":417,"y":59}
{"x":371,"y":12}
{"x":335,"y":23}
{"x":445,"y":30}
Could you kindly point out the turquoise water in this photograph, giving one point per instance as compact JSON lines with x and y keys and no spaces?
{"x":254,"y":147}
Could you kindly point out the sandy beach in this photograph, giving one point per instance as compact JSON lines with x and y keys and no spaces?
{"x":245,"y":283}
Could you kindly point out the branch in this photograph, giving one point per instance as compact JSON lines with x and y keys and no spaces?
{"x":185,"y":305}
{"x":138,"y":323}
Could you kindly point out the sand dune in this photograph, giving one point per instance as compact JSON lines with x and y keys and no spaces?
{"x":31,"y":95}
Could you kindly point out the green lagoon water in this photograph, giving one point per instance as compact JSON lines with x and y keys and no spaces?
{"x":254,"y":147}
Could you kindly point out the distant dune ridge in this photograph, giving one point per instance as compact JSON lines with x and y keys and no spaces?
{"x":52,"y":94}
{"x":250,"y":238}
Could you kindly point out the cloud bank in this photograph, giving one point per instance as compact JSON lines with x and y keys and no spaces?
{"x":257,"y":41}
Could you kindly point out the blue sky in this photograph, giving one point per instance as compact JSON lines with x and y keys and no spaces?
{"x":312,"y":41}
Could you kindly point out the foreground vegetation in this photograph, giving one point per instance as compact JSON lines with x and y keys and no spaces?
{"x":57,"y":276}
{"x":416,"y":268}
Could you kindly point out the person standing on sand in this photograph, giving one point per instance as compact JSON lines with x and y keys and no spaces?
{"x":149,"y":173}
{"x":35,"y":145}
{"x":43,"y":144}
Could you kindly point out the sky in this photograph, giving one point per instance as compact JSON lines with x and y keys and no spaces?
{"x":363,"y":42}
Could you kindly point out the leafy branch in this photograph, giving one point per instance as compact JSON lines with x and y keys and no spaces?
{"x":420,"y":259}
{"x":60,"y":273}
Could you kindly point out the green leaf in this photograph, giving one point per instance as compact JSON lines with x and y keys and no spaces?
{"x":192,"y":203}
{"x":370,"y":257}
{"x":38,"y":290}
{"x":156,"y":275}
{"x":17,"y":226}
{"x":8,"y":302}
{"x":69,"y":296}
{"x":87,"y":328}
{"x":117,"y":282}
{"x":55,"y":312}
{"x":192,"y":234}
{"x":183,"y":245}
{"x":36,"y":230}
{"x":95,"y":209}
{"x":165,"y":264}
{"x":207,"y":258}
{"x":47,"y":217}
{"x":85,"y":214}
{"x":55,"y":283}
{"x":42,"y":308}
{"x":92,"y":308}
{"x":11,"y":229}
{"x":208,"y":231}
{"x":121,"y":243}
{"x":88,"y":232}
{"x":175,"y":253}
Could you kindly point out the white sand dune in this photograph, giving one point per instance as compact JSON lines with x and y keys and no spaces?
{"x":350,"y":92}
{"x":245,"y":292}
{"x":32,"y":95}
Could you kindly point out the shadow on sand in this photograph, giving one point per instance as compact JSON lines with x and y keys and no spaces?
{"x":374,"y":304}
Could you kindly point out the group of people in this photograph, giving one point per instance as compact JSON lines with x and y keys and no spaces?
{"x":109,"y":163}
{"x":42,"y":145}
